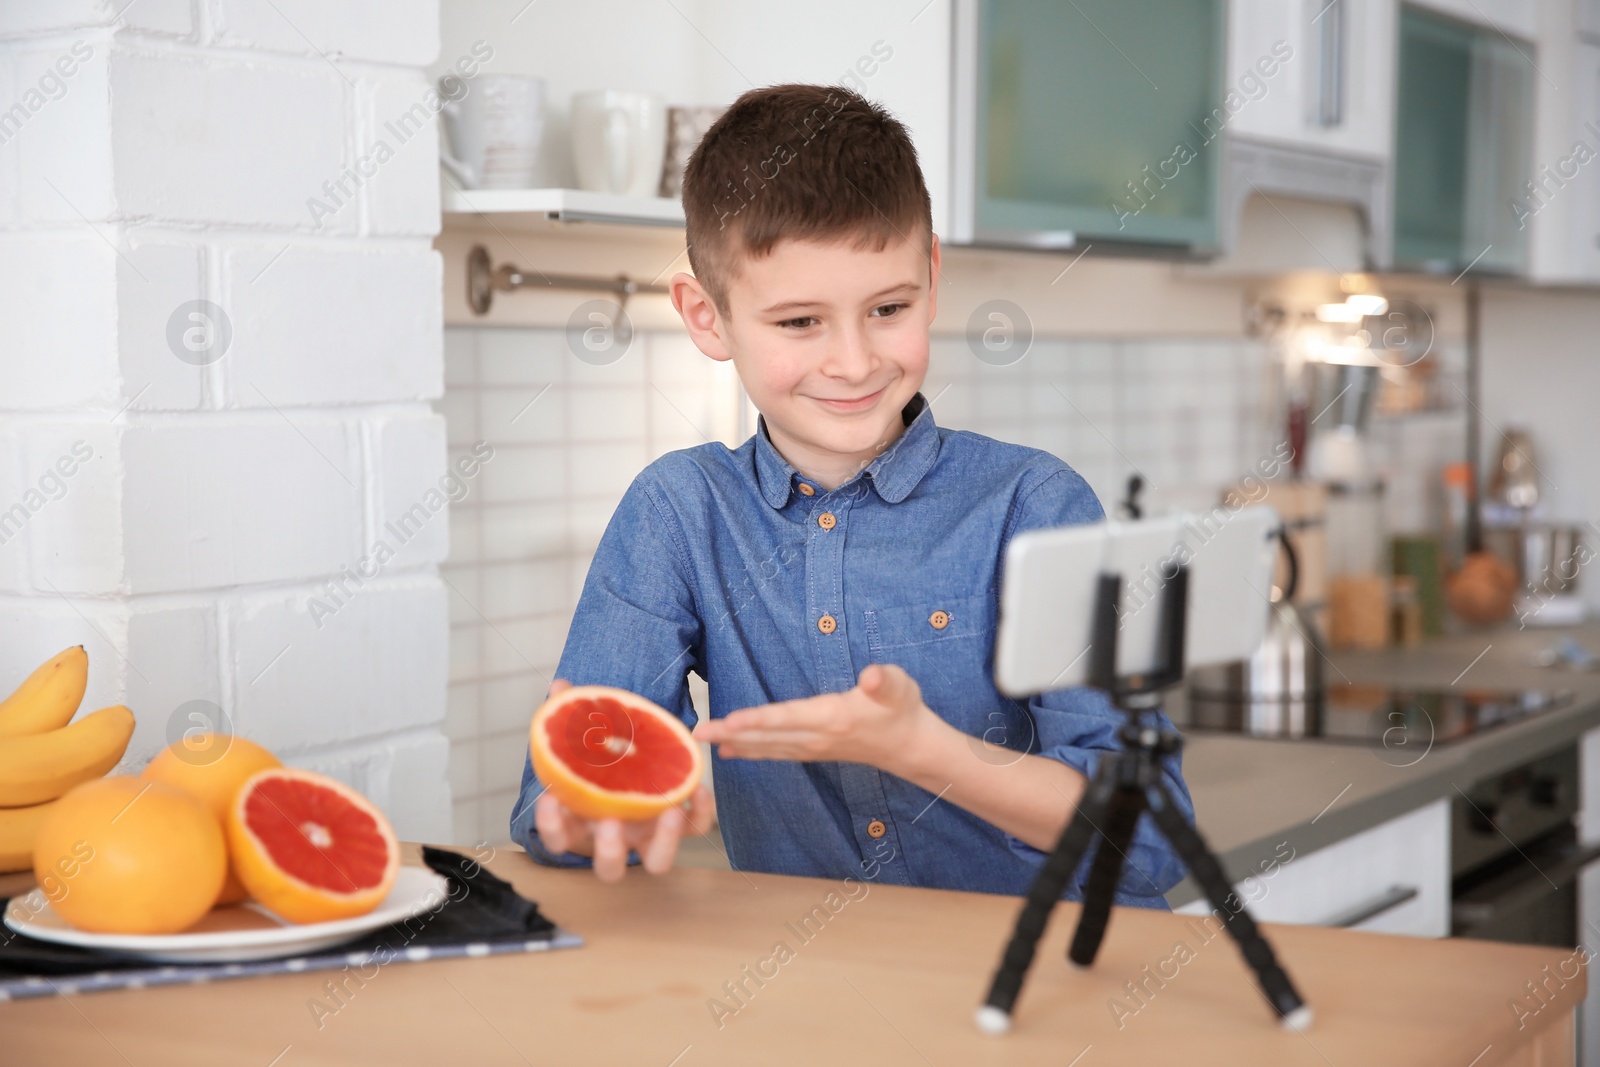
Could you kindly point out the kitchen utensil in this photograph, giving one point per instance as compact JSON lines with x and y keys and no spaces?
{"x":1130,"y":508}
{"x":1278,"y":691}
{"x":618,"y":141}
{"x":492,"y":135}
{"x":1483,"y":590}
{"x":1355,"y":529}
{"x":1343,"y":394}
{"x":1303,"y":506}
{"x":1456,"y":481}
{"x":1405,"y":611}
{"x":1358,"y":611}
{"x":1567,"y":653}
{"x":1552,"y":558}
{"x":1418,"y":557}
{"x":1515,"y":482}
{"x":685,"y":127}
{"x":244,"y":932}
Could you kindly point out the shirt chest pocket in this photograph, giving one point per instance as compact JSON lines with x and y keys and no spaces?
{"x":945,"y":643}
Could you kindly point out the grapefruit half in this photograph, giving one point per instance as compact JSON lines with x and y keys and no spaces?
{"x":607,"y":753}
{"x":309,"y":848}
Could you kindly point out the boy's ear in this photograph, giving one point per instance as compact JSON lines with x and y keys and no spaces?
{"x":700,"y":315}
{"x":933,"y":276}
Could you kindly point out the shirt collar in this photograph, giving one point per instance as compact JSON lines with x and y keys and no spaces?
{"x":894,"y":473}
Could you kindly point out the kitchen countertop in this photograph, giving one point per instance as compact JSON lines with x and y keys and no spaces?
{"x":889,"y":975}
{"x":1252,"y":794}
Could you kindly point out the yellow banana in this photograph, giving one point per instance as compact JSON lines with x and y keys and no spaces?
{"x":49,"y":697}
{"x":18,"y":827}
{"x":41,"y":767}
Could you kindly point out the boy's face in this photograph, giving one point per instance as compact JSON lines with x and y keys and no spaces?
{"x":830,"y":342}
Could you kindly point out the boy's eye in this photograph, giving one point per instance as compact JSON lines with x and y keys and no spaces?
{"x":884,"y":311}
{"x":800,"y":323}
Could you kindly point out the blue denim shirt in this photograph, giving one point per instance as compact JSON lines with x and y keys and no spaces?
{"x":721,"y":562}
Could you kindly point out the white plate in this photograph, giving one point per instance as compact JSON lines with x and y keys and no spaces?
{"x":234,"y":934}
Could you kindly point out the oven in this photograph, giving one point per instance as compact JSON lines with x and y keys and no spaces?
{"x":1515,"y":857}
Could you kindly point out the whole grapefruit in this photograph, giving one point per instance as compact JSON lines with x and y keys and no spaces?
{"x":127,"y":855}
{"x":211,"y":767}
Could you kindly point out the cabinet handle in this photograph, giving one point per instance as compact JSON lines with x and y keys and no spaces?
{"x":1327,"y":27}
{"x":1388,"y":900}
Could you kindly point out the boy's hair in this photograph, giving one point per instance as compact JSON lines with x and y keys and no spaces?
{"x":809,"y":162}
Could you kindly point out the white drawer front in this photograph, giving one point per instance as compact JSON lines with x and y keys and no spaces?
{"x":1361,"y":874}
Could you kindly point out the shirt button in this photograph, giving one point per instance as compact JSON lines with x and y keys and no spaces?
{"x":806,"y":490}
{"x":939,"y":620}
{"x":827,"y":624}
{"x":827,"y":521}
{"x":875,"y":828}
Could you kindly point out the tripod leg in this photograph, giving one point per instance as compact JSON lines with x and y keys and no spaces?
{"x":1253,"y":945}
{"x":1126,"y":807}
{"x":1048,"y":885}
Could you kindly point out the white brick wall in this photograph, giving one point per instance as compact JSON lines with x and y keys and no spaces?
{"x":191,"y":550}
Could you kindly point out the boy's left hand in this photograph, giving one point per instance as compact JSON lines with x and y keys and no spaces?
{"x":879,"y":722}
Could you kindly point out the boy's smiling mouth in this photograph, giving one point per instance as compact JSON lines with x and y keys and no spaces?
{"x":857,"y":404}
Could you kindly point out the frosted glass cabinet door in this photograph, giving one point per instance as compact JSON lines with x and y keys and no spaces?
{"x":1099,"y":119}
{"x":1463,"y":140}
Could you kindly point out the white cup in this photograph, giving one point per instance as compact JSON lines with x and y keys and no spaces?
{"x":493,"y":133}
{"x":619,"y":140}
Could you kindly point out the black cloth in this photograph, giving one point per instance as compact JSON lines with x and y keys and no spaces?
{"x":477,"y":908}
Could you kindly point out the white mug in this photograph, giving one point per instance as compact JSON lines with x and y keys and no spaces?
{"x":619,"y":140}
{"x":493,"y":132}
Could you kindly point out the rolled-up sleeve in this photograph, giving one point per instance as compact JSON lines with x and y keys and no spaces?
{"x":1076,"y":726}
{"x":636,"y":627}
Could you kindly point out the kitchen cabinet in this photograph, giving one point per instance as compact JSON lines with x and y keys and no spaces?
{"x":1515,"y":17}
{"x":1463,"y":141}
{"x":1393,"y":878}
{"x":1559,"y":203}
{"x":1089,"y":122}
{"x":1586,"y":18}
{"x":1335,"y":92}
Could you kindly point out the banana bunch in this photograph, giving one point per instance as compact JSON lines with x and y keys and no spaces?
{"x":42,"y":756}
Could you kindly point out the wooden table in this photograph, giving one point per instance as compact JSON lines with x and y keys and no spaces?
{"x":891,"y":977}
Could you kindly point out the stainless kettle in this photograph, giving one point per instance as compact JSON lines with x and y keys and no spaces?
{"x":1277,"y":692}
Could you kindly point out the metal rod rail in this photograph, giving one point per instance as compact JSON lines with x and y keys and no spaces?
{"x":484,"y":280}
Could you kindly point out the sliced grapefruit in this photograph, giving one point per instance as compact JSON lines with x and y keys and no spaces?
{"x":211,"y":767}
{"x":309,"y":848}
{"x":609,"y":753}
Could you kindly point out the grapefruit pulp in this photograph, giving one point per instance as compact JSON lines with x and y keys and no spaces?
{"x":211,"y":767}
{"x":309,"y":848}
{"x":608,"y":753}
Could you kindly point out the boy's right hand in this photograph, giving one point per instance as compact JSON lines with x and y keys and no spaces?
{"x":608,"y":841}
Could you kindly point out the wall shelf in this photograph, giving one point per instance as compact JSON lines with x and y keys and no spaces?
{"x":520,"y":207}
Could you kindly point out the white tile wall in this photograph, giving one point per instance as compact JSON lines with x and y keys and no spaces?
{"x":569,"y":437}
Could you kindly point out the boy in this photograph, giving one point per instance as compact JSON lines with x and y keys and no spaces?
{"x":835,"y":577}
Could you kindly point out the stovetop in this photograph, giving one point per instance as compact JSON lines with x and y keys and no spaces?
{"x":1399,"y":717}
{"x":1378,"y":714}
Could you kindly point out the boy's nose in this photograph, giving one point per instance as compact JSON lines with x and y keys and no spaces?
{"x":850,"y":357}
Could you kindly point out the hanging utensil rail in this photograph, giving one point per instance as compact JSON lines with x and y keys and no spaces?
{"x":484,"y":280}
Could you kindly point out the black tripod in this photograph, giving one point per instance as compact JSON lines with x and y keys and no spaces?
{"x":1127,"y":784}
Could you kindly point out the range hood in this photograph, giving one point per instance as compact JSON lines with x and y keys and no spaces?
{"x":1290,"y":208}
